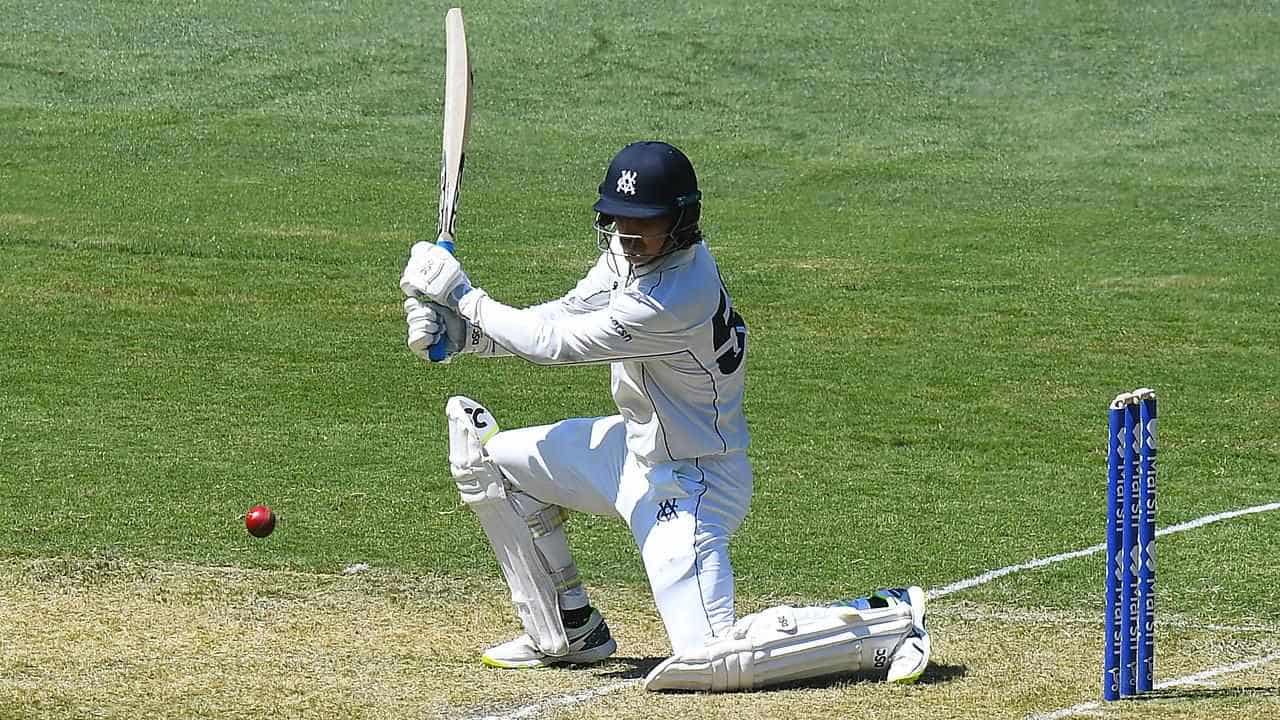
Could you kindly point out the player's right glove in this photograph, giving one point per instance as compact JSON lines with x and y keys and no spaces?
{"x":427,"y":321}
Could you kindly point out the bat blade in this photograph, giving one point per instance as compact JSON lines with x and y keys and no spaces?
{"x":457,"y":123}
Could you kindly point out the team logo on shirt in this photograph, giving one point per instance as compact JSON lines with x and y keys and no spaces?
{"x":667,"y":510}
{"x":627,"y":182}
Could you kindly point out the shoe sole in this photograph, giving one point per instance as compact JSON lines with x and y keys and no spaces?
{"x":583,"y":657}
{"x":909,"y":680}
{"x":503,"y":665}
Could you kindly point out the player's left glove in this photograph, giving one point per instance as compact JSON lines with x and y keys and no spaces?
{"x":433,"y":273}
{"x":426,"y":326}
{"x":427,"y":321}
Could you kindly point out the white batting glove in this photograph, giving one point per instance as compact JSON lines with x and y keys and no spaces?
{"x":427,"y":321}
{"x":434,"y":274}
{"x":425,"y":326}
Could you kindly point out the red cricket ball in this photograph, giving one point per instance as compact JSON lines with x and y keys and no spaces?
{"x":260,"y":521}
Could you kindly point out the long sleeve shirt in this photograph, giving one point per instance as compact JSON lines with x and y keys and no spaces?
{"x":676,"y":348}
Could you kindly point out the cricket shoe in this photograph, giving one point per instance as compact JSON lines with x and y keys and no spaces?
{"x":912,"y":656}
{"x":589,"y":643}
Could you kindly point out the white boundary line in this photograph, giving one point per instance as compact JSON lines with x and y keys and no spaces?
{"x":533,"y":709}
{"x":1192,"y":679}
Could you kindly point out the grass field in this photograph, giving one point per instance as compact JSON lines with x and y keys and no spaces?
{"x":956,"y":230}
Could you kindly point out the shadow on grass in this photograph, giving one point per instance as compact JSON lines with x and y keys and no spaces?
{"x":937,"y":673}
{"x":934,"y":674}
{"x":636,"y":668}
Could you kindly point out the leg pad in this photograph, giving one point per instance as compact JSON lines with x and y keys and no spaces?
{"x":483,"y":489}
{"x":784,"y":644}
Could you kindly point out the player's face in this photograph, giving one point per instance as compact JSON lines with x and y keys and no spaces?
{"x":642,"y":240}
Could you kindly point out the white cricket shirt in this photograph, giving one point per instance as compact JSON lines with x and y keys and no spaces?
{"x":677,"y":348}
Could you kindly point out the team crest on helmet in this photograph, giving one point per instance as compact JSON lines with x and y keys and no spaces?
{"x":627,"y":182}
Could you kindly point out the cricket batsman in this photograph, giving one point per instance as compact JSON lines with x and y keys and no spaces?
{"x":671,"y":464}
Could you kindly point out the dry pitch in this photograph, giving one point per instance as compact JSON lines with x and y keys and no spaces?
{"x":113,"y":639}
{"x":940,"y":220}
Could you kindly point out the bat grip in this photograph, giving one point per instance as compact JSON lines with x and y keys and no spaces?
{"x":438,"y":350}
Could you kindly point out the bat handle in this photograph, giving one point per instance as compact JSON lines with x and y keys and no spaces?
{"x":438,"y":351}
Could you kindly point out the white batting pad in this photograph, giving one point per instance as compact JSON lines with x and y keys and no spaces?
{"x":483,"y":489}
{"x":783,"y":644}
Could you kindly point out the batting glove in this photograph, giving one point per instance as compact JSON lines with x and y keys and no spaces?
{"x":427,"y":321}
{"x":434,"y":274}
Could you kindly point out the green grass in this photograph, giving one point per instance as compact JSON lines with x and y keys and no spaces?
{"x":955,"y":230}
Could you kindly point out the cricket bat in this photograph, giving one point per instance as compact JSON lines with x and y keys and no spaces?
{"x":457,"y":122}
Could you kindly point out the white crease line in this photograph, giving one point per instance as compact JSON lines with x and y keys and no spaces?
{"x":1092,"y":550}
{"x":987,"y":577}
{"x":1192,"y":679}
{"x":531,"y":710}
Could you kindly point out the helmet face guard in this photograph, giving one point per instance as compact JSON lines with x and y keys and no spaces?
{"x":682,"y":233}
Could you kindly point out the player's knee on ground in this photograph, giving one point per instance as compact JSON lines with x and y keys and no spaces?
{"x":785,"y":644}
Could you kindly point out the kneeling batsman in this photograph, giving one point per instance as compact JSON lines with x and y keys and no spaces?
{"x":883,"y":633}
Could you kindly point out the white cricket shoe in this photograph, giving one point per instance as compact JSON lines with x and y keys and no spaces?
{"x":589,"y":643}
{"x":912,"y":656}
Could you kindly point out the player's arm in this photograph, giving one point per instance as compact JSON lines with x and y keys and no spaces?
{"x":634,"y":326}
{"x":590,"y":294}
{"x":433,"y":282}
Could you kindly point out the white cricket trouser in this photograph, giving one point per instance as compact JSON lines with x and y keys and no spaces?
{"x":680,"y":513}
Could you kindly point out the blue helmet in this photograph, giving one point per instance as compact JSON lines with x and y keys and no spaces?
{"x":648,"y":180}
